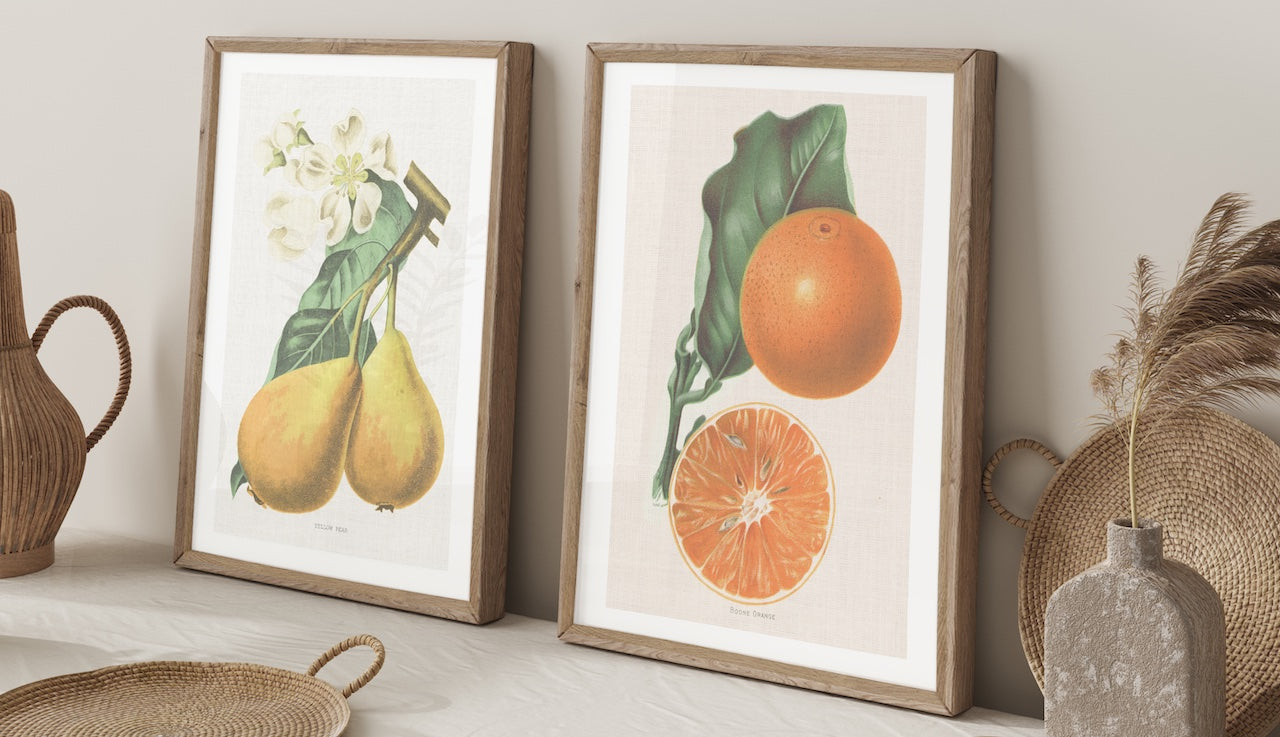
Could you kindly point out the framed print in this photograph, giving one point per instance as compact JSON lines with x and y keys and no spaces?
{"x":354,"y":314}
{"x":778,"y":364}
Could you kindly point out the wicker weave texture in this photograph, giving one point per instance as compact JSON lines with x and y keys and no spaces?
{"x":8,"y":221}
{"x":1213,"y":482}
{"x":187,"y":699}
{"x":42,"y":439}
{"x":181,"y":699}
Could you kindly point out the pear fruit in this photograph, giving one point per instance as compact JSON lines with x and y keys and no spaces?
{"x":293,"y":435}
{"x":397,"y":437}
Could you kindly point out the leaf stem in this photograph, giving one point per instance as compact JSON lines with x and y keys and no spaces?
{"x":692,"y":397}
{"x":679,"y":387}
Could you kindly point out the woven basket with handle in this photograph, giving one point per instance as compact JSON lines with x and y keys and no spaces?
{"x":172,"y":699}
{"x":1213,"y":482}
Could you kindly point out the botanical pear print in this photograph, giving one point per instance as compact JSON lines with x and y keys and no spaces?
{"x":340,"y":399}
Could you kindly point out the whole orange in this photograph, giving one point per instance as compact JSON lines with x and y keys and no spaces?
{"x":821,"y":303}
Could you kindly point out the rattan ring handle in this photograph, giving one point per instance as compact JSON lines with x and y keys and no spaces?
{"x":989,"y":471}
{"x":122,"y":346}
{"x":380,"y":656}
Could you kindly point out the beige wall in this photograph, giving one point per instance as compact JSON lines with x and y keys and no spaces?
{"x":1117,"y":125}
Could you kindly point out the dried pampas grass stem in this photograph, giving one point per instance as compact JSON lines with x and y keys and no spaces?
{"x":1213,"y":339}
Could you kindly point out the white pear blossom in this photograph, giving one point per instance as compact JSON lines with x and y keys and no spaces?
{"x":284,"y":134}
{"x":264,"y":154}
{"x":339,"y":169}
{"x":342,"y":170}
{"x":270,"y":151}
{"x":294,"y":220}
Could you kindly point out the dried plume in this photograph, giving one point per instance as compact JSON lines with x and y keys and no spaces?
{"x":1114,"y":383}
{"x":1212,"y":339}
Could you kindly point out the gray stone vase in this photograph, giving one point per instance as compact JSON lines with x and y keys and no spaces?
{"x":1135,"y":646}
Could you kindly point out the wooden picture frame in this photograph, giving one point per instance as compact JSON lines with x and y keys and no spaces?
{"x":463,"y":114}
{"x":655,"y":103}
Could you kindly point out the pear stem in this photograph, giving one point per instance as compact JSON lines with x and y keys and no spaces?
{"x":373,"y":311}
{"x":414,"y":232}
{"x":391,"y":297}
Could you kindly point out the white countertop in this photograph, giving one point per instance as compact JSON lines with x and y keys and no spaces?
{"x":110,"y":600}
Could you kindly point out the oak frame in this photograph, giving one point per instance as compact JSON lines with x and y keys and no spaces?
{"x":499,"y":341}
{"x":975,"y":73}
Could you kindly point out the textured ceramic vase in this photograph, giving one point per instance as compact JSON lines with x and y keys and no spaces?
{"x":1135,"y":646}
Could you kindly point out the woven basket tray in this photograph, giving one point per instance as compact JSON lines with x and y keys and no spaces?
{"x":1213,"y":482}
{"x":172,"y":699}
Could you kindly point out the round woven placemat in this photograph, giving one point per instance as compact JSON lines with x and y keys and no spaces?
{"x":180,"y":699}
{"x":1213,"y":482}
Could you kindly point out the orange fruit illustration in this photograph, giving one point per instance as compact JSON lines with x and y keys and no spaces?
{"x":752,"y":503}
{"x":821,"y":303}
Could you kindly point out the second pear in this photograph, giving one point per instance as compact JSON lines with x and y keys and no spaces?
{"x":397,"y":437}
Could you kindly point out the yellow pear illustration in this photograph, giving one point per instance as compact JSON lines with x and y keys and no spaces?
{"x":397,"y":437}
{"x":293,"y":435}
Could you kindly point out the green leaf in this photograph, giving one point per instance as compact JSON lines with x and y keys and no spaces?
{"x":696,"y":424}
{"x":779,"y":166}
{"x":238,"y":479}
{"x":309,"y":337}
{"x":342,"y":275}
{"x":277,"y":161}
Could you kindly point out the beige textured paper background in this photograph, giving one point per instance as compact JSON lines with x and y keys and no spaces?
{"x":856,"y":599}
{"x":430,"y":122}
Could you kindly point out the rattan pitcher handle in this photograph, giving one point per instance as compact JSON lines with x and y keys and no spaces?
{"x":380,"y":656}
{"x":996,"y":457}
{"x":122,"y":346}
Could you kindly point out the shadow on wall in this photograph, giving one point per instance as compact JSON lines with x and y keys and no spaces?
{"x":1016,"y":314}
{"x":542,"y":391}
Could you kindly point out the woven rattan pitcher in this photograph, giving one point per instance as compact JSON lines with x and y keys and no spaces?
{"x":42,"y":441}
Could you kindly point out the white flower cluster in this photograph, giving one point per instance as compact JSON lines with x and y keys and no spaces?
{"x":339,"y":169}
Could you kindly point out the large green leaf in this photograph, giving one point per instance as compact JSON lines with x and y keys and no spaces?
{"x":316,"y":332}
{"x":779,"y":166}
{"x":316,"y":335}
{"x":342,"y":275}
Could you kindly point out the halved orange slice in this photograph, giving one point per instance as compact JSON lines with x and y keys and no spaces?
{"x":752,"y":503}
